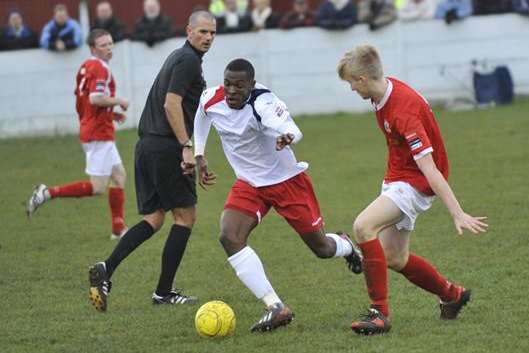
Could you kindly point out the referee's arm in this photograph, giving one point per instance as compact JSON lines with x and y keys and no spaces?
{"x":175,"y":116}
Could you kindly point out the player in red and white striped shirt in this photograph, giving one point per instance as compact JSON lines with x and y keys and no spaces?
{"x":95,"y":99}
{"x":417,"y":169}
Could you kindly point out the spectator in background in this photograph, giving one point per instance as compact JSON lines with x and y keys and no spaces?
{"x":181,"y":31}
{"x":62,"y":33}
{"x":153,"y":27}
{"x":232,"y":21}
{"x":452,"y":10}
{"x":376,"y":13}
{"x":491,"y":7}
{"x":336,"y":14}
{"x":217,"y":7}
{"x":16,"y":35}
{"x":413,"y":10}
{"x":105,"y":20}
{"x":263,"y":16}
{"x":521,"y":7}
{"x":299,"y":16}
{"x":399,"y":3}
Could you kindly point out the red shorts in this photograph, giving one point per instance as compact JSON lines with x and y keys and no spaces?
{"x":294,"y":199}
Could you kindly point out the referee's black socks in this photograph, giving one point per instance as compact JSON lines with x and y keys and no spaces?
{"x":130,"y":241}
{"x":173,"y":252}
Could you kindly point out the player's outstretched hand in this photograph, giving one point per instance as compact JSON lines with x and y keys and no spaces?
{"x":205,"y":177}
{"x":284,"y":140}
{"x":123,"y":103}
{"x":188,"y":161}
{"x":474,"y":224}
{"x":119,"y":118}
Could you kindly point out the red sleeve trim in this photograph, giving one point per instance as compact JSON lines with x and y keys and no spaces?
{"x":217,"y":97}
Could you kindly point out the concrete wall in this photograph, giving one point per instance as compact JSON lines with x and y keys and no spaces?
{"x":36,"y":91}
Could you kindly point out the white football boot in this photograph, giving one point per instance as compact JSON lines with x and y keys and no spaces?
{"x":39,"y":196}
{"x":120,"y":235}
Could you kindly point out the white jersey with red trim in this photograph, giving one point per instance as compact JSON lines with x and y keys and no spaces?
{"x":249,"y":134}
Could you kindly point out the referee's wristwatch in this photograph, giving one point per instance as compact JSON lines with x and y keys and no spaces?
{"x":188,"y":144}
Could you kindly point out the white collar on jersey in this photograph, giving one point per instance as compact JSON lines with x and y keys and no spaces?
{"x":105,"y":64}
{"x":385,"y":97}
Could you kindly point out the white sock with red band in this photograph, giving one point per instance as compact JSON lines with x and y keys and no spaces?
{"x":250,"y":271}
{"x":343,"y":246}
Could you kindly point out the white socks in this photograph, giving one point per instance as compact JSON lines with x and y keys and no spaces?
{"x":343,"y":247}
{"x":250,"y":271}
{"x":249,"y":268}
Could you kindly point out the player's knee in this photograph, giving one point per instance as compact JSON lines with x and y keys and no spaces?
{"x":185,"y":217}
{"x":119,"y":178}
{"x":98,"y":189}
{"x":225,"y":239}
{"x":155,"y":224}
{"x":230,"y":242}
{"x":119,"y":182}
{"x":363,"y":231}
{"x":187,"y":221}
{"x":155,"y":220}
{"x":396,"y":260}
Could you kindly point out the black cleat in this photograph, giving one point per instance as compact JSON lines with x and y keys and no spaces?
{"x":276,"y":315}
{"x":354,"y":260}
{"x":450,"y":310}
{"x":175,"y":296}
{"x":372,"y":323}
{"x":100,"y":286}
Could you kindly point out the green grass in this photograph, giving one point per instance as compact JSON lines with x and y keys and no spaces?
{"x":44,"y":262}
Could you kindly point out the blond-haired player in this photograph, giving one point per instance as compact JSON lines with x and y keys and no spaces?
{"x":417,"y":169}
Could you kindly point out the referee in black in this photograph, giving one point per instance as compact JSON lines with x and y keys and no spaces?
{"x":164,"y":165}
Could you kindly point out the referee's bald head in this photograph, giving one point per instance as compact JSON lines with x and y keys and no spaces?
{"x":195,"y":16}
{"x":201,"y":30}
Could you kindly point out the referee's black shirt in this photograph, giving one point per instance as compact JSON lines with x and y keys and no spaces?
{"x":181,"y":74}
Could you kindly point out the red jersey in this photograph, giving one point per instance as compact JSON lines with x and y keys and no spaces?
{"x":411,"y":132}
{"x":96,"y":123}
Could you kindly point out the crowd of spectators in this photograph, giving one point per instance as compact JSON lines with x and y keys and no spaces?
{"x":63,"y":33}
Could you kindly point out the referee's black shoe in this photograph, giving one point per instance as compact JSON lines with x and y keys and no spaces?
{"x":100,"y":286}
{"x":175,"y":296}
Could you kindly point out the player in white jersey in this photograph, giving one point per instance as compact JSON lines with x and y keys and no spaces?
{"x":256,"y":130}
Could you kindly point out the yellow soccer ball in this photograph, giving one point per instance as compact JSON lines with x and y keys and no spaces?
{"x":215,"y":319}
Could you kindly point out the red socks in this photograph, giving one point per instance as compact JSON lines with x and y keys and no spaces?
{"x":376,"y":274}
{"x":116,"y":200}
{"x":418,"y":271}
{"x":421,"y":273}
{"x":77,"y":189}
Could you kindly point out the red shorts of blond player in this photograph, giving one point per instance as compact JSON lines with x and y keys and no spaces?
{"x":293,"y":199}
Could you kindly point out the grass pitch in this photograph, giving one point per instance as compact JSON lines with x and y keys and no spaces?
{"x":44,"y":262}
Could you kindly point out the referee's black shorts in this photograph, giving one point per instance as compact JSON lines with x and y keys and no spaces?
{"x":160,"y":183}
